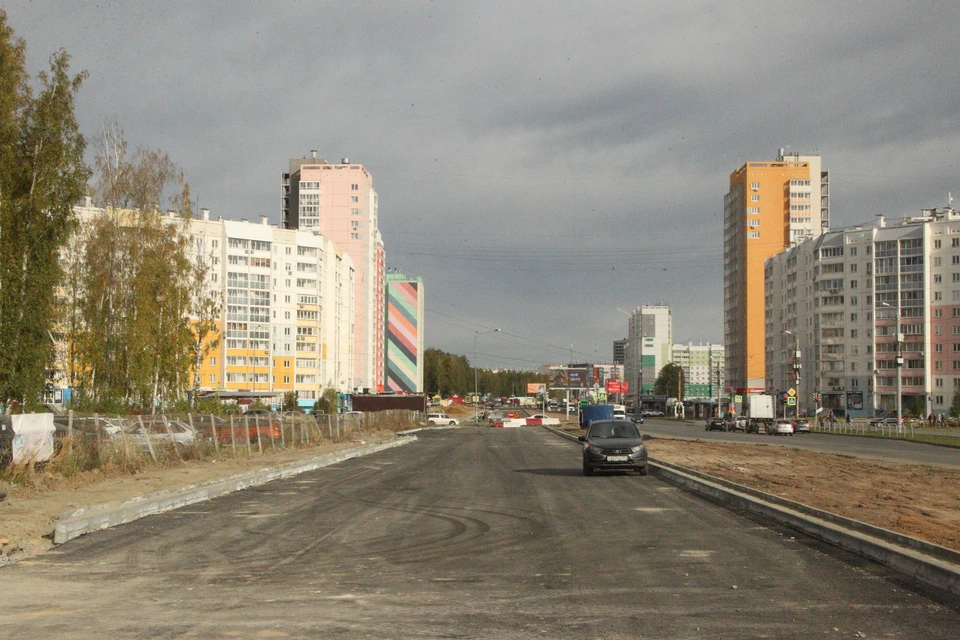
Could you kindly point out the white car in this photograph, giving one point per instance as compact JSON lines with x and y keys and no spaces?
{"x":780,"y":428}
{"x":441,"y":419}
{"x":541,"y":419}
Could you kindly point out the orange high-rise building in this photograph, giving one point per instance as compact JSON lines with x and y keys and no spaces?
{"x":770,"y":206}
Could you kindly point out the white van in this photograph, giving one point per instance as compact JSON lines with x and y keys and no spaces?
{"x":619,"y":412}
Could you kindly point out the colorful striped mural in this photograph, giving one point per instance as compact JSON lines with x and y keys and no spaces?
{"x":403,"y":359}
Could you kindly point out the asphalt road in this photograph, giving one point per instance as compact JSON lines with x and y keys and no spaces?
{"x":881,"y":448}
{"x":470,"y":533}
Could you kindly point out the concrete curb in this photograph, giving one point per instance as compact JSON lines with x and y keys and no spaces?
{"x":928,"y":563}
{"x":72,"y":524}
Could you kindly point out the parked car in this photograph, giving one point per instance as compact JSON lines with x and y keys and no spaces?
{"x":159,"y":432}
{"x":636,"y":418}
{"x":613,"y":445}
{"x":780,"y":428}
{"x":801,"y":425}
{"x":441,"y":419}
{"x":653,"y":413}
{"x":883,"y":422}
{"x":716,"y":424}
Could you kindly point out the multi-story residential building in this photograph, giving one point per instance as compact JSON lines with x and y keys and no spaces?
{"x":404,"y":333}
{"x":619,"y":350}
{"x":770,"y":206}
{"x":702,"y":366}
{"x":287,"y":305}
{"x":339,"y":201}
{"x":649,"y":344}
{"x":848,"y":299}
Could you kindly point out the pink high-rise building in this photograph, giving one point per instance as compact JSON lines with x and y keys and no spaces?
{"x":339,"y":202}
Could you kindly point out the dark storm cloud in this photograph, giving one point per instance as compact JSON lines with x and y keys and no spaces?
{"x":540,"y":166}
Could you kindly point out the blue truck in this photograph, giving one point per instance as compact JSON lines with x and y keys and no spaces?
{"x":592,"y":412}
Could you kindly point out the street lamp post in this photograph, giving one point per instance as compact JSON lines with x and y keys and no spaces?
{"x":899,"y":359}
{"x":796,"y":368}
{"x":476,"y":409}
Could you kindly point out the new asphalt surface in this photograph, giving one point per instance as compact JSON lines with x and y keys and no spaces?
{"x":469,"y":533}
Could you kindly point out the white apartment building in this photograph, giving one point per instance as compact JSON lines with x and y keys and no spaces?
{"x":648,"y":348}
{"x":702,"y":366}
{"x":287,"y":308}
{"x":845,"y":300}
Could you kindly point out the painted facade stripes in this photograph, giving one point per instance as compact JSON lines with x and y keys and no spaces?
{"x":404,"y":339}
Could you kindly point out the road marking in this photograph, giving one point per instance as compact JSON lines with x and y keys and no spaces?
{"x":699,"y":554}
{"x":653,"y":509}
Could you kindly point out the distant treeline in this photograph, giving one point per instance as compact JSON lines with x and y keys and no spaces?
{"x":450,"y":374}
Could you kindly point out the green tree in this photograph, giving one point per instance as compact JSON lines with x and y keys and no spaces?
{"x":138,"y":285}
{"x":42,"y":173}
{"x":290,"y":402}
{"x":955,"y":404}
{"x":670,"y":382}
{"x":327,"y":403}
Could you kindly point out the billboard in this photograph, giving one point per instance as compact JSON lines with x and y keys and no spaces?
{"x":536,"y":387}
{"x":618,"y":386}
{"x":567,"y":378}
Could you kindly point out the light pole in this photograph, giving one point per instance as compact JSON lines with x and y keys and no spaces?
{"x":476,"y":409}
{"x":796,"y":368}
{"x":899,"y":357}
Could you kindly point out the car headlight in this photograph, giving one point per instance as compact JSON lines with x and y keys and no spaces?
{"x":592,"y":448}
{"x":637,"y":449}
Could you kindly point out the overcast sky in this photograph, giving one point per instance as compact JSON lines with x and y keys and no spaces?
{"x":539,"y":165}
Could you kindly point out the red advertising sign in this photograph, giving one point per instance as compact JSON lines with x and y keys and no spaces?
{"x":618,"y":386}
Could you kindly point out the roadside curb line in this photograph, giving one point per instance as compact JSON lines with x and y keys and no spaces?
{"x":926,"y":562}
{"x":72,"y":524}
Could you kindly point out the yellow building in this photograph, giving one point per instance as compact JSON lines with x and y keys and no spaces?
{"x":770,"y":207}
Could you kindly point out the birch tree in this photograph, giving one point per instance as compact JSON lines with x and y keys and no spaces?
{"x":42,"y":174}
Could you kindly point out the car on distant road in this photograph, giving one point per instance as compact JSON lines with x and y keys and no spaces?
{"x":737,"y":424}
{"x":539,"y":419}
{"x":802,"y":425}
{"x":652,"y":413}
{"x":613,"y":445}
{"x":441,"y":419}
{"x":716,"y":424}
{"x":780,"y":427}
{"x":883,"y":422}
{"x":635,"y":417}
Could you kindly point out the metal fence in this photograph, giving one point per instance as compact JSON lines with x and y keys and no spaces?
{"x":242,"y":434}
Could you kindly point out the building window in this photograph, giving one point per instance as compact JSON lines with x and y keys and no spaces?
{"x":354,"y":224}
{"x":286,"y":379}
{"x":753,"y":210}
{"x":354,"y":187}
{"x":356,"y":236}
{"x":213,"y":378}
{"x":213,"y":362}
{"x":755,"y":197}
{"x":755,"y":186}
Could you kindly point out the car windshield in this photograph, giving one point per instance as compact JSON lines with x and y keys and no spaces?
{"x":614,"y":430}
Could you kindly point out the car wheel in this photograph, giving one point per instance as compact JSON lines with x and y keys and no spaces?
{"x":451,"y":423}
{"x":643,"y":470}
{"x":587,"y":470}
